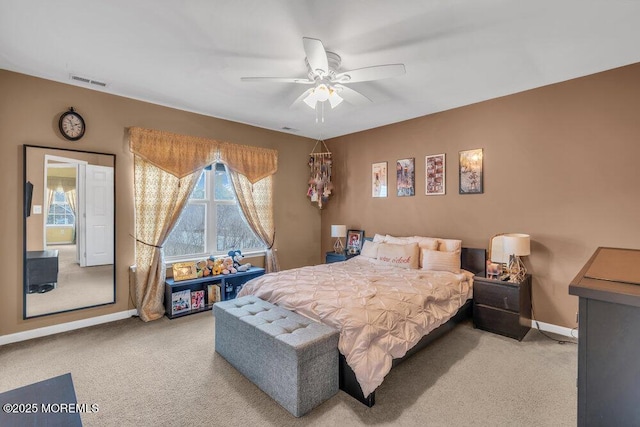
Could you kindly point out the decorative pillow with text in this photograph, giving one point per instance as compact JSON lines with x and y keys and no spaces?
{"x":403,"y":256}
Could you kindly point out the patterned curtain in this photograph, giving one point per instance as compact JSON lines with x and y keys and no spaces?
{"x":160,"y":197}
{"x":167,"y":167}
{"x":256,"y":202}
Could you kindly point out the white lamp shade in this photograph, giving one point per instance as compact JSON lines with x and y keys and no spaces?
{"x":516,"y":244}
{"x":338,"y":230}
{"x":498,"y":253}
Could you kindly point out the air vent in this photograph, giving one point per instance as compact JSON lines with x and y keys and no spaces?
{"x":288,"y":129}
{"x":87,"y":80}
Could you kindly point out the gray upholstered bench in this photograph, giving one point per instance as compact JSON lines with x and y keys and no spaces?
{"x":288,"y":356}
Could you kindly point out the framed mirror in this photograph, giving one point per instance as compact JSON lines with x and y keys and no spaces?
{"x":69,"y":230}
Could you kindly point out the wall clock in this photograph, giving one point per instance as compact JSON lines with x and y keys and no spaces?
{"x":71,"y":125}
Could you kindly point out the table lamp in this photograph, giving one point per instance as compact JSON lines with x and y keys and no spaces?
{"x":515,"y":246}
{"x":338,"y":231}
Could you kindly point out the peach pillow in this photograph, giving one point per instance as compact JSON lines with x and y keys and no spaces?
{"x":403,"y":256}
{"x":426,"y":242}
{"x":440,"y":261}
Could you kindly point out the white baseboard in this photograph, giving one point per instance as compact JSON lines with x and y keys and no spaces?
{"x":64,"y":327}
{"x":555,"y":329}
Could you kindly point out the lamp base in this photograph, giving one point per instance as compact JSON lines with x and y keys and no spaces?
{"x":338,"y":247}
{"x":517,"y":270}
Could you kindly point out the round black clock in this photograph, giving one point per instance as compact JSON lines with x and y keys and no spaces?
{"x":71,"y":125}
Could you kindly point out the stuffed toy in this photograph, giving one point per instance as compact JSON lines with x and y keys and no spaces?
{"x":237,"y":256}
{"x":202,"y":268}
{"x":216,"y":268}
{"x":227,"y":266}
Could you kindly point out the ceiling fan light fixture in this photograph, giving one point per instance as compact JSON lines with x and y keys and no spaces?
{"x":334,"y":99}
{"x":311,"y":100}
{"x":322,"y":92}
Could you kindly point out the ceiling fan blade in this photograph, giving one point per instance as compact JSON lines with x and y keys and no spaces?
{"x":277,"y":80}
{"x":316,"y":56}
{"x":352,"y":96}
{"x":370,"y":73}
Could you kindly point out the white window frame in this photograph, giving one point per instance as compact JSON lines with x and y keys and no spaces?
{"x":211,"y":221}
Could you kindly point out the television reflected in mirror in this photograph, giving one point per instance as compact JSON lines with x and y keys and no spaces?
{"x":69,"y":230}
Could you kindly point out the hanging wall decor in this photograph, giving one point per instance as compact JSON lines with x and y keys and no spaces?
{"x":320,"y":185}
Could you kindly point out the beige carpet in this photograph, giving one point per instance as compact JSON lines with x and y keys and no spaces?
{"x":166,"y":373}
{"x":77,"y":286}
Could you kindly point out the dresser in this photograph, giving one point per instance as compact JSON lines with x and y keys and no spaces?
{"x":502,"y":307}
{"x":608,"y":287}
{"x":42,"y":271}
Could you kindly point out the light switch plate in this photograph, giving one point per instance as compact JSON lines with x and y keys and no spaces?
{"x":37,"y":209}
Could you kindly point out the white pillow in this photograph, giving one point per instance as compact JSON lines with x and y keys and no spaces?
{"x":440,"y":261}
{"x":369,"y":249}
{"x":397,"y":240}
{"x":450,"y":245}
{"x":403,"y":256}
{"x":378,"y":238}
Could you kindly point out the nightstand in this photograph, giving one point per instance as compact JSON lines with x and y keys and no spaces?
{"x":337,"y":257}
{"x":502,"y":307}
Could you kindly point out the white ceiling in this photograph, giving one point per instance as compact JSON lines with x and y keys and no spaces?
{"x":190,"y":54}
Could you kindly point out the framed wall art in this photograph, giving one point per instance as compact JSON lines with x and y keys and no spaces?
{"x":379,"y":179}
{"x":470,"y":170}
{"x":435,"y":176}
{"x":406,"y":178}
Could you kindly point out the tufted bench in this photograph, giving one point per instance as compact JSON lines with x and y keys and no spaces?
{"x":288,"y":356}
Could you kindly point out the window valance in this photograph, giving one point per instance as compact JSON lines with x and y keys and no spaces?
{"x":181,"y":155}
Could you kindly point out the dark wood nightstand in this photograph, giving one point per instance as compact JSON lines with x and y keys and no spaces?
{"x":337,"y":257}
{"x":502,"y":307}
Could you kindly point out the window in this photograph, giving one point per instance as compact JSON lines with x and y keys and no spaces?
{"x":212,"y":223}
{"x":60,"y":212}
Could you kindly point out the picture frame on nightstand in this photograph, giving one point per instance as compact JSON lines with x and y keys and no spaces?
{"x":355,"y":239}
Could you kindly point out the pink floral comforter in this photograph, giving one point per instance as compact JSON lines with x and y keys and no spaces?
{"x":381,"y":311}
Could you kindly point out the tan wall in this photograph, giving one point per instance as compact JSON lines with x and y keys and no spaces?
{"x":560,"y":164}
{"x":59,"y":234}
{"x":29,"y":112}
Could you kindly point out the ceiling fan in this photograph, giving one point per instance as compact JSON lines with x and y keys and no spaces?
{"x":328,"y":83}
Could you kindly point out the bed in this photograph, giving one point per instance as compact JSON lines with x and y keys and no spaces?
{"x":384,"y":312}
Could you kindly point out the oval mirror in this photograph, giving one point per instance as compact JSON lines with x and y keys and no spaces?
{"x":69,"y":230}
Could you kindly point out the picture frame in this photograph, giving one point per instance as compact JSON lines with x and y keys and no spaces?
{"x":435,"y":174}
{"x":213,"y":294}
{"x":355,"y":239}
{"x":197,"y":299}
{"x":405,"y":177}
{"x":470,"y":171}
{"x":184,"y":271}
{"x":180,"y":302}
{"x":379,"y":179}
